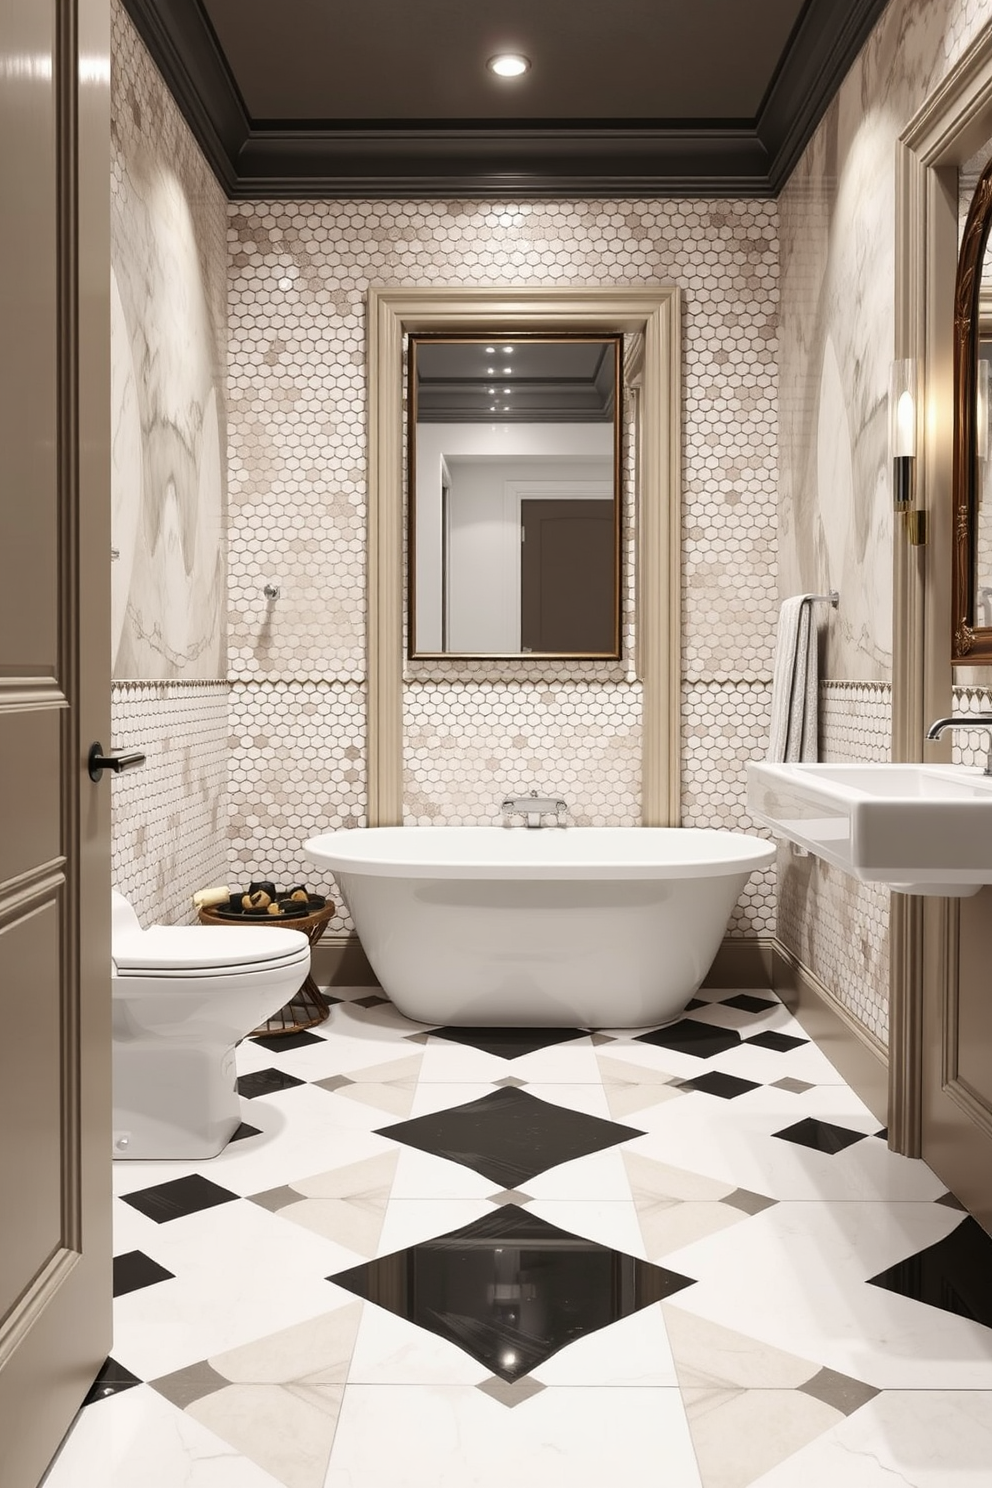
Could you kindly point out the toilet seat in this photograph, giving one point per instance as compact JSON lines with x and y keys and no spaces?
{"x":179,"y":950}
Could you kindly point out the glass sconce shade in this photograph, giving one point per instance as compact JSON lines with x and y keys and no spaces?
{"x":902,"y":430}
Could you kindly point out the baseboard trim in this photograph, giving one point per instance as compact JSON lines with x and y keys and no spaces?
{"x":339,"y":961}
{"x":858,"y":1055}
{"x":742,"y":962}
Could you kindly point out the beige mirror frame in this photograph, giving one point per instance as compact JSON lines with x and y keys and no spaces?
{"x":971,"y":643}
{"x":653,"y":314}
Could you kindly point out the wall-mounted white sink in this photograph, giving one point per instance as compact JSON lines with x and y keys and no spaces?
{"x":921,"y":829}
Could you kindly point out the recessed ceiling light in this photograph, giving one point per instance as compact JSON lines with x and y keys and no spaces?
{"x":508,"y":64}
{"x":508,"y":350}
{"x":490,"y":351}
{"x":507,"y":369}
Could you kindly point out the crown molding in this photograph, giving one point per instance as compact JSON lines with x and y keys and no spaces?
{"x":267,"y":159}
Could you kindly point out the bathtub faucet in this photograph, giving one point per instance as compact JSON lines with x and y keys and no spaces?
{"x":533,"y":807}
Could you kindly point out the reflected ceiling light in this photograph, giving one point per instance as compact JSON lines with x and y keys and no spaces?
{"x":490,"y":350}
{"x":507,"y":369}
{"x":508,"y":350}
{"x":508,"y":64}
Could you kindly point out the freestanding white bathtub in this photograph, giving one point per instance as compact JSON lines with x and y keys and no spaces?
{"x":592,"y":927}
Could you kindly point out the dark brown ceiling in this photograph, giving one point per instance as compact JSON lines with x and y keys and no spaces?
{"x":392,"y":97}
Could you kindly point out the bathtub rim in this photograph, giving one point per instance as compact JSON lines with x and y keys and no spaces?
{"x":540,"y":853}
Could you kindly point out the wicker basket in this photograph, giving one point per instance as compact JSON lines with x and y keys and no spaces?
{"x":307,"y":1006}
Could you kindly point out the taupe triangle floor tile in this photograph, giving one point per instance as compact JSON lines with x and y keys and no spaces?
{"x":794,"y":1087}
{"x":739,"y":1435}
{"x":510,"y":1196}
{"x":282,"y":1405}
{"x":626,"y":1072}
{"x":674,"y":1207}
{"x":407,"y":1068}
{"x":396,"y":1098}
{"x":510,"y":1083}
{"x":347,"y":1204}
{"x":416,"y":1038}
{"x":333,"y":1082}
{"x":602,"y":1038}
{"x":751,"y":1203}
{"x":275,"y":1199}
{"x":184,"y":1386}
{"x":839,"y":1390}
{"x":511,"y":1394}
{"x":709,"y":1356}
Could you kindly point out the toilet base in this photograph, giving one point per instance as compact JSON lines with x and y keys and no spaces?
{"x":173,"y":1101}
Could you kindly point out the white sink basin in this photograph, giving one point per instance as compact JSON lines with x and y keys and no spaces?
{"x":921,"y":829}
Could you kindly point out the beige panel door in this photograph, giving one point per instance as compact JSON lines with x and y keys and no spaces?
{"x":55,"y":1249}
{"x":567,"y":576}
{"x":957,"y":1053}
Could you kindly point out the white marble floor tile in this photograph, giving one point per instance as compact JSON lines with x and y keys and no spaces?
{"x":409,"y":1221}
{"x":902,"y":1439}
{"x":239,"y":1273}
{"x":632,"y":1352}
{"x":558,"y":1438}
{"x":567,"y":1063}
{"x":794,"y":1277}
{"x":736,"y":1141}
{"x":609,"y":1222}
{"x":421,"y":1175}
{"x":138,"y":1440}
{"x":389,"y":1350}
{"x":601,"y":1175}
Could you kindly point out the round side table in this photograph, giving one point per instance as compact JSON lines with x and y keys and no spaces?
{"x":307,"y":1006}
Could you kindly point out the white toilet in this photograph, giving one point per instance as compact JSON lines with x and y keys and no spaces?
{"x":183,"y":996}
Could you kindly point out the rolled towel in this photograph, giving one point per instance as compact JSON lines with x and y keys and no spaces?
{"x":207,"y":898}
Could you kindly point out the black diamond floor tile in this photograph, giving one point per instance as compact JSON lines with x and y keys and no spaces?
{"x":695,"y":1002}
{"x":509,"y":1135}
{"x":954,"y":1275}
{"x":780,"y":1042}
{"x":747,"y":1004}
{"x":277,"y":1042}
{"x":689,"y":1036}
{"x":112,"y":1379}
{"x":511,"y":1289}
{"x":714,"y":1082}
{"x":244,"y":1130}
{"x":822,"y":1136}
{"x":135,"y":1270}
{"x":175,"y":1200}
{"x":265,"y":1082}
{"x":509,"y":1043}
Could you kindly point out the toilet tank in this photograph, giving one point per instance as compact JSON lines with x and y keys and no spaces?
{"x":122,"y":917}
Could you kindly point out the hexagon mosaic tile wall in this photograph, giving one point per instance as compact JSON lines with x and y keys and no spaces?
{"x":297,"y":474}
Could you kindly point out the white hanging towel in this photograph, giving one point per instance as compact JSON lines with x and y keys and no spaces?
{"x":792,"y":731}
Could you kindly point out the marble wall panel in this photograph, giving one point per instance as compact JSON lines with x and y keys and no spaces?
{"x":169,"y":301}
{"x":168,"y":370}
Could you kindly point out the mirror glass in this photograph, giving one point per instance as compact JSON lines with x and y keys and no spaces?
{"x":514,"y":495}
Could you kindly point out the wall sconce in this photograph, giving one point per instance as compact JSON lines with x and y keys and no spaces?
{"x":902,"y":431}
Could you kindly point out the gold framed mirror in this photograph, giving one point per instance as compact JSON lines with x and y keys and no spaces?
{"x":514,"y":504}
{"x":971,"y":572}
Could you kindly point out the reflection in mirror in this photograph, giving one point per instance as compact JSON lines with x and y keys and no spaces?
{"x":514,"y":504}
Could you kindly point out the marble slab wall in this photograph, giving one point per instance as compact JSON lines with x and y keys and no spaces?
{"x":834,"y":512}
{"x":298,"y":515}
{"x":168,"y":485}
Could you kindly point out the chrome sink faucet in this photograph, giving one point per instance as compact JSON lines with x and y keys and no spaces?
{"x":533,"y":808}
{"x":965,"y":721}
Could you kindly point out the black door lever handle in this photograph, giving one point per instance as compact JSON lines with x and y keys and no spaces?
{"x":97,"y":761}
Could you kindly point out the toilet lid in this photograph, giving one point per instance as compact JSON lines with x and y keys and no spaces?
{"x":178,"y":948}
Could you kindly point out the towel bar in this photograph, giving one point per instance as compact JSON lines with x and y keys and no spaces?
{"x":833,"y":598}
